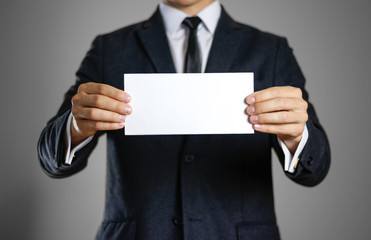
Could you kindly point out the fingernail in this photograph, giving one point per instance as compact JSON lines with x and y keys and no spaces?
{"x":254,"y":118}
{"x":121,"y":124}
{"x":127,"y":109}
{"x":257,"y":126}
{"x":250,"y":110}
{"x":250,"y":100}
{"x":127,"y":98}
{"x":122,"y":118}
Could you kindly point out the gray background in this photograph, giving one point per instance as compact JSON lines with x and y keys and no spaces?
{"x":43,"y":43}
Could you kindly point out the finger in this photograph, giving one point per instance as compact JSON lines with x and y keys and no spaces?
{"x":102,"y":102}
{"x":274,"y":92}
{"x":93,"y":126}
{"x":106,"y":90}
{"x":280,"y":129}
{"x":97,"y":114}
{"x":277,"y":104}
{"x":283,"y":117}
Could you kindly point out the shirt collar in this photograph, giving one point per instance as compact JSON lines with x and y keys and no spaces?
{"x":173,"y":17}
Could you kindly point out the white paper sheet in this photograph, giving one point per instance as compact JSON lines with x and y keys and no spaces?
{"x":191,"y":103}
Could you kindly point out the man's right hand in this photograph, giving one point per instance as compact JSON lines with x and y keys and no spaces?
{"x":97,"y":107}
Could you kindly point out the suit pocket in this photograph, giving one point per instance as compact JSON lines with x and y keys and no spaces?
{"x":117,"y":230}
{"x":257,"y":231}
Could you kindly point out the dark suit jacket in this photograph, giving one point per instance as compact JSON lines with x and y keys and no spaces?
{"x":199,"y":186}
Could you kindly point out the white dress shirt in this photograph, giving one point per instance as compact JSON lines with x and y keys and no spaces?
{"x":177,"y":35}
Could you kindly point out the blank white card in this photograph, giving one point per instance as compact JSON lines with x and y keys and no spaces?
{"x":190,"y":103}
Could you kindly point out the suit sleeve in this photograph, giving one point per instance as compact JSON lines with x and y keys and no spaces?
{"x":314,"y":162}
{"x":51,"y":146}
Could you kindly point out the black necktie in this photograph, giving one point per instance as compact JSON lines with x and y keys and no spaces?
{"x":192,"y":62}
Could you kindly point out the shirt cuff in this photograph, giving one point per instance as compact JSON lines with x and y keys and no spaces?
{"x":70,"y":154}
{"x":291,"y":161}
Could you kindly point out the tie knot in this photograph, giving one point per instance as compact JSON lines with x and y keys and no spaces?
{"x":192,"y":22}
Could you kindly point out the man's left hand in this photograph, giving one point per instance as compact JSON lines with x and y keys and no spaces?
{"x":281,"y":111}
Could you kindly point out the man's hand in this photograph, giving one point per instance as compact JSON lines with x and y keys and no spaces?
{"x":97,"y":107}
{"x":281,"y":111}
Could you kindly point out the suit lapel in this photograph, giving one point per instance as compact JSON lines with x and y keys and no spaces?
{"x":153,"y":38}
{"x":225,"y":45}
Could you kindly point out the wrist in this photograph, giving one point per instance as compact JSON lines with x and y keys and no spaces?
{"x":291,"y":143}
{"x":76,"y":136}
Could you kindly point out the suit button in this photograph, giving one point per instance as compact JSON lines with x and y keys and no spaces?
{"x":189,"y":158}
{"x":310,"y":161}
{"x":177,"y":222}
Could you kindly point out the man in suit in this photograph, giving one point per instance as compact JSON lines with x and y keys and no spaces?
{"x":188,"y":187}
